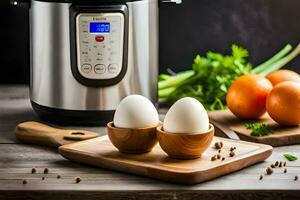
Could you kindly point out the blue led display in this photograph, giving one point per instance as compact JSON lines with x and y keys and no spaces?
{"x":99,"y":27}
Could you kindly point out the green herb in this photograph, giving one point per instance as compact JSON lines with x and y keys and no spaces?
{"x":212,"y":74}
{"x":259,"y":129}
{"x":290,"y":157}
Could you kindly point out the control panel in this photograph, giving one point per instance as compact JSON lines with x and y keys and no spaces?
{"x":99,"y":42}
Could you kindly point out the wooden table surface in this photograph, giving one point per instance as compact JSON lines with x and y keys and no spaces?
{"x":17,"y":160}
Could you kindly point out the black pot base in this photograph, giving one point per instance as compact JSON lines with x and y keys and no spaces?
{"x":72,"y":117}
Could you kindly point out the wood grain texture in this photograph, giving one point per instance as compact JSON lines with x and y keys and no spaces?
{"x":156,"y":164}
{"x":184,"y":146}
{"x":138,"y":195}
{"x":17,"y":160}
{"x":280,"y":136}
{"x":128,"y":140}
{"x":37,"y":133}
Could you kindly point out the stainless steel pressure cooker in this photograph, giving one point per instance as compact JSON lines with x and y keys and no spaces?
{"x":87,"y":55}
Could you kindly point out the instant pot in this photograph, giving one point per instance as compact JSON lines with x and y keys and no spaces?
{"x":87,"y":55}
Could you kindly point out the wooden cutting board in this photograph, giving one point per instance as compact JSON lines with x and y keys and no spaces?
{"x":100,"y":152}
{"x":280,"y":136}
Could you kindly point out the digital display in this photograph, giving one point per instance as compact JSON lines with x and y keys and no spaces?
{"x":99,"y":27}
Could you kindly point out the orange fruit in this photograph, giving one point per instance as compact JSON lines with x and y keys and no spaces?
{"x":283,"y":75}
{"x":246,"y":97}
{"x":283,"y":103}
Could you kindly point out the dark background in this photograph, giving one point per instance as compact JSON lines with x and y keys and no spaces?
{"x":196,"y":26}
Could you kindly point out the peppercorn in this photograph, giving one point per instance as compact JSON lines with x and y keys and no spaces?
{"x":269,"y":170}
{"x":218,"y":145}
{"x":33,"y":170}
{"x":285,"y":170}
{"x":284,"y":164}
{"x":219,"y":151}
{"x":46,"y":170}
{"x":296,"y":178}
{"x":78,"y":179}
{"x":223,"y":158}
{"x":280,"y":164}
{"x":231,"y":154}
{"x":273,"y":166}
{"x":276,"y":163}
{"x":261,"y":177}
{"x":24,"y":182}
{"x":58,"y":177}
{"x":43,"y":178}
{"x":219,"y":156}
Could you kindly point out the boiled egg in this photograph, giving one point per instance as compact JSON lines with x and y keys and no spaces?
{"x":135,"y":111}
{"x":187,"y":115}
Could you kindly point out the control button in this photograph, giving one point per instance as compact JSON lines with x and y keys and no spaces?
{"x":86,"y":68}
{"x":99,"y":69}
{"x":113,"y":68}
{"x":99,"y":38}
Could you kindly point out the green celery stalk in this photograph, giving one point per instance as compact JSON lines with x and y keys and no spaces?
{"x":164,"y":77}
{"x":260,"y":68}
{"x":279,"y":64}
{"x":162,"y":93}
{"x":174,"y":80}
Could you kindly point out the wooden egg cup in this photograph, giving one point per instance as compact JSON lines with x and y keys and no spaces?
{"x":185,"y":146}
{"x":134,"y":141}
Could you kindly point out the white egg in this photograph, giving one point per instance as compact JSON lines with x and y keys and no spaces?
{"x":187,"y":115}
{"x":136,"y":111}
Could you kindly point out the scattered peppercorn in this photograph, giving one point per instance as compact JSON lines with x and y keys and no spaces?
{"x":46,"y":170}
{"x":284,"y":164}
{"x":213,"y":158}
{"x":223,"y":158}
{"x":24,"y":182}
{"x":219,"y":151}
{"x":273,"y":166}
{"x":280,"y":164}
{"x":269,"y":170}
{"x":78,"y":179}
{"x":276,"y":163}
{"x":33,"y":170}
{"x":296,"y":178}
{"x":218,"y":145}
{"x":58,"y":177}
{"x":43,"y":178}
{"x":261,"y":177}
{"x":232,"y":148}
{"x":231,"y":154}
{"x":285,"y":170}
{"x":219,"y":156}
